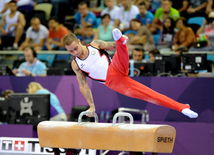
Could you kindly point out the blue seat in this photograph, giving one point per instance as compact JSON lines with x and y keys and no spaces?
{"x":196,"y":20}
{"x":156,"y":38}
{"x":48,"y":57}
{"x":62,"y":57}
{"x":210,"y":57}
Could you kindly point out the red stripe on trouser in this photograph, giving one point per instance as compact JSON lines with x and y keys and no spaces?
{"x":118,"y":80}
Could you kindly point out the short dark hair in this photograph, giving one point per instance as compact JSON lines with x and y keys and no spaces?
{"x":34,"y":18}
{"x":154,"y":51}
{"x":142,"y":3}
{"x":13,"y":2}
{"x":105,"y":15}
{"x":54,"y":18}
{"x":32,"y":50}
{"x":139,"y":50}
{"x":183,"y":20}
{"x":136,"y":20}
{"x":82,"y":3}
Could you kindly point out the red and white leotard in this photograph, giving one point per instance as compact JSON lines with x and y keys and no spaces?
{"x":96,"y":64}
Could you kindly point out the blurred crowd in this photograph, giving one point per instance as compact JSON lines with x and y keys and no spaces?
{"x":165,"y":25}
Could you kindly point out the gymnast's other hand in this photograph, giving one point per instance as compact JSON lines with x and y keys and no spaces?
{"x":92,"y":111}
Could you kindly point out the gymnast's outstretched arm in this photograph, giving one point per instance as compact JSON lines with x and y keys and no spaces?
{"x":84,"y":88}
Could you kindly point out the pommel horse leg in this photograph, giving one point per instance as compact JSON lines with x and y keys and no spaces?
{"x":134,"y":138}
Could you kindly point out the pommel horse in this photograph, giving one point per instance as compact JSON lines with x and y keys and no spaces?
{"x":106,"y":136}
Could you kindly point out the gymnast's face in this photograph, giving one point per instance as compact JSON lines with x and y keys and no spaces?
{"x":75,"y":48}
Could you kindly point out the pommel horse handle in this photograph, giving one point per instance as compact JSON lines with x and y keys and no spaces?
{"x":86,"y":113}
{"x":122,"y":114}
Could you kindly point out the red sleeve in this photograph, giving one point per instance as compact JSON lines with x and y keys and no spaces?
{"x":51,"y":34}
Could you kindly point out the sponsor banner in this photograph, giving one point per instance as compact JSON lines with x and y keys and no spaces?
{"x":30,"y":146}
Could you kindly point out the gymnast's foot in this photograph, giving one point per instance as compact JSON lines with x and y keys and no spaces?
{"x":189,"y":113}
{"x":117,"y":35}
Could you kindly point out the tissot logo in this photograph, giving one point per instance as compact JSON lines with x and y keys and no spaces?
{"x":19,"y":146}
{"x":7,"y":145}
{"x":27,"y":146}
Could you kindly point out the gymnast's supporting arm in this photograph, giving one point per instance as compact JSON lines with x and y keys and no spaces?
{"x":84,"y":88}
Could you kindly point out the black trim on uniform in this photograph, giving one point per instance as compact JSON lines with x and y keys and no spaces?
{"x":103,"y":52}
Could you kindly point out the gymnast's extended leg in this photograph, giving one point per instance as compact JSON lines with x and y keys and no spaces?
{"x":118,"y":80}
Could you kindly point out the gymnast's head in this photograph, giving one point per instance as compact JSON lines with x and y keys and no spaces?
{"x":72,"y":44}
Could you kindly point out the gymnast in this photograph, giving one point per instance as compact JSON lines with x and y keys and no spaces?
{"x":93,"y":61}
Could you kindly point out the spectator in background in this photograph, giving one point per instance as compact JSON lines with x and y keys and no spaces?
{"x":207,"y":28}
{"x":104,"y":31}
{"x":6,"y":93}
{"x":206,"y":32}
{"x":84,"y":18}
{"x":56,"y":111}
{"x":112,"y":10}
{"x":126,"y":13}
{"x":98,"y":7}
{"x":152,"y":54}
{"x":180,"y":5}
{"x":4,"y":5}
{"x":196,"y":8}
{"x":15,"y":22}
{"x":36,"y":35}
{"x":155,"y":4}
{"x":185,"y":36}
{"x":151,"y":5}
{"x":88,"y":36}
{"x":160,"y":14}
{"x":32,"y":66}
{"x":56,"y":34}
{"x":147,"y":2}
{"x":138,"y":54}
{"x":55,"y":3}
{"x":145,"y":16}
{"x":168,"y":33}
{"x":139,"y":35}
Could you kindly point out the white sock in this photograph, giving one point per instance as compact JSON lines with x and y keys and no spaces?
{"x":116,"y":34}
{"x":189,"y":113}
